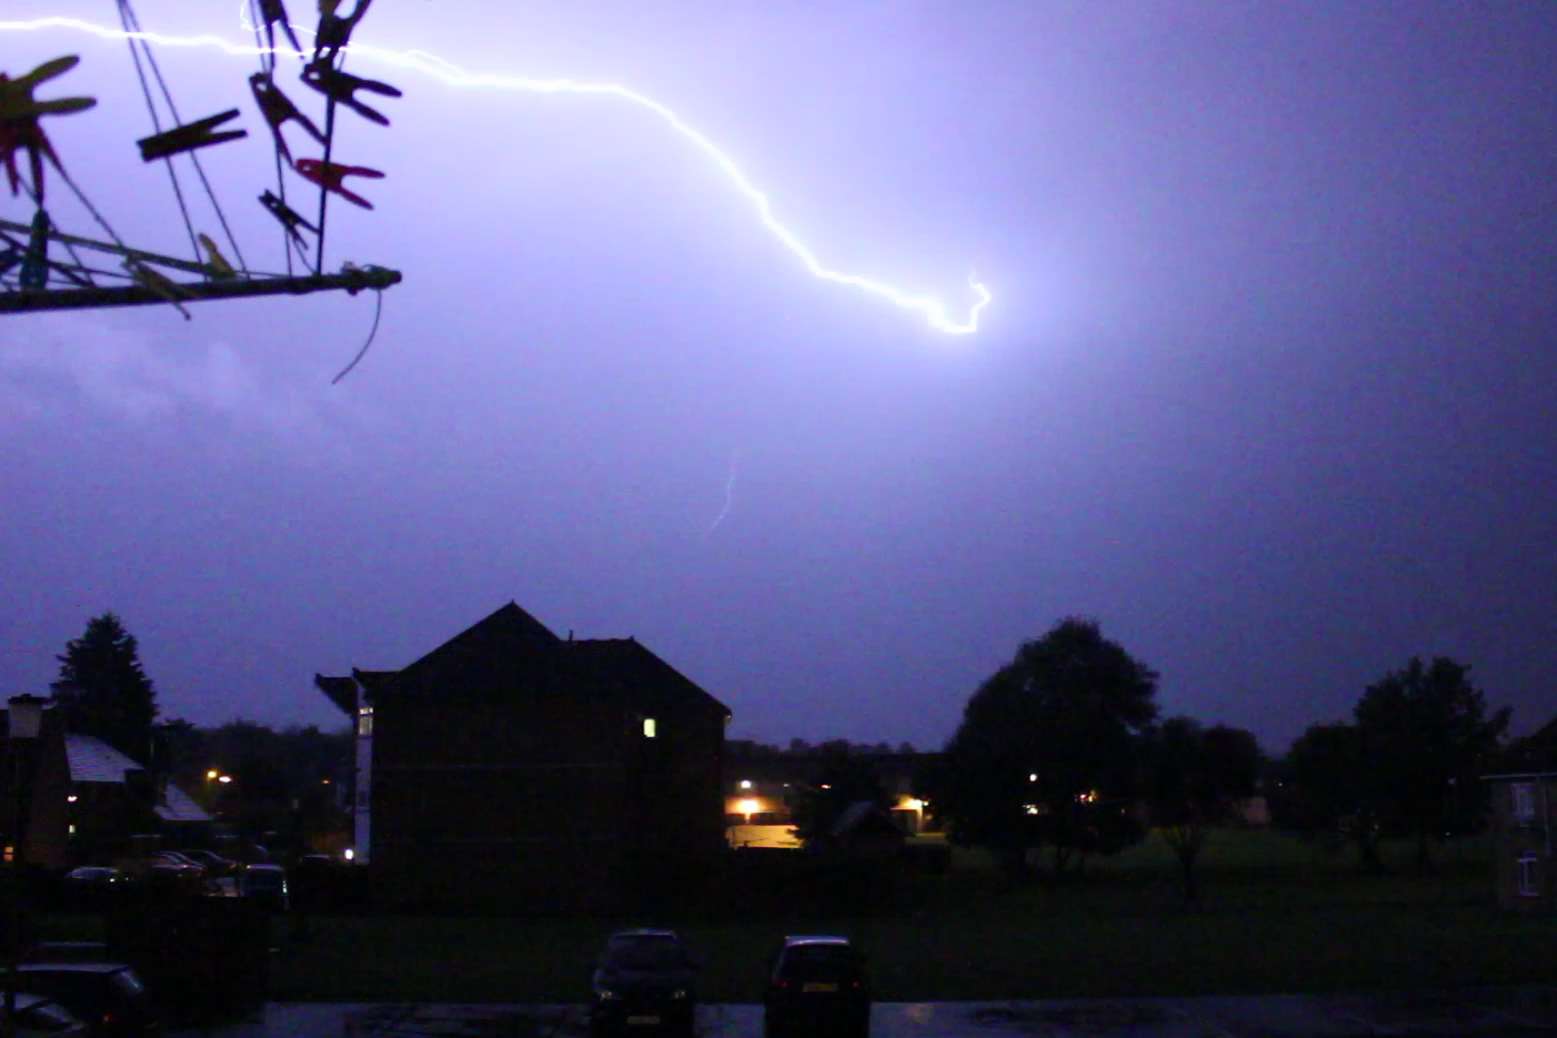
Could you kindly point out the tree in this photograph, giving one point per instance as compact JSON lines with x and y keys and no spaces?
{"x":1425,"y":736}
{"x":102,"y":689}
{"x":1328,"y":793}
{"x":1044,"y":753}
{"x":1198,"y":775}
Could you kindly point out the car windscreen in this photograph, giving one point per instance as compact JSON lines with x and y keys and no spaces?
{"x":820,"y":960}
{"x":645,"y":953}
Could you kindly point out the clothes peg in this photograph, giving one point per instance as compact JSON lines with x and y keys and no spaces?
{"x":35,"y":263}
{"x":273,"y":13}
{"x":277,"y":108}
{"x":157,"y":283}
{"x":216,"y":264}
{"x":341,"y":88}
{"x":20,"y":112}
{"x":189,"y":136}
{"x":329,"y":175}
{"x":335,"y":31}
{"x":290,"y":219}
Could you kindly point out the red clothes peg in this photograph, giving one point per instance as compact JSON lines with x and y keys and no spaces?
{"x":20,"y":112}
{"x":277,"y":108}
{"x":329,"y":175}
{"x":341,"y":88}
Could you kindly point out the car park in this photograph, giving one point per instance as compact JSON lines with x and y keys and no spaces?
{"x":644,"y":981}
{"x":214,"y":864}
{"x":108,"y":996}
{"x":38,"y":1016}
{"x":816,"y":985}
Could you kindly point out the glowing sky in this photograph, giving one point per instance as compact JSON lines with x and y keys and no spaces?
{"x":1266,"y":386}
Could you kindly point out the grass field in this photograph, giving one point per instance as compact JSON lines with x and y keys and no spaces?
{"x":1278,"y":916}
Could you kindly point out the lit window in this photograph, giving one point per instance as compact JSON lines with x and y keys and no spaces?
{"x":1524,"y":801}
{"x":1528,"y":867}
{"x":350,"y":854}
{"x":72,"y":828}
{"x":71,"y":799}
{"x":365,"y":721}
{"x":745,"y":783}
{"x":650,"y":729}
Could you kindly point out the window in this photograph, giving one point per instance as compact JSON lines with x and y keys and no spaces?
{"x":1524,"y":801}
{"x":365,"y":721}
{"x":650,"y":729}
{"x":1529,"y":875}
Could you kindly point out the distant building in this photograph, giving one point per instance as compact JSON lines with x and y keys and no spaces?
{"x":86,"y":800}
{"x":510,"y":766}
{"x":1524,"y":817}
{"x":762,"y":789}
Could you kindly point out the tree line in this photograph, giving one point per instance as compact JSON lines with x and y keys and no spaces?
{"x":1061,"y":751}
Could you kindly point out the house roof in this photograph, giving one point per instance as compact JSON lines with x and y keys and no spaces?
{"x":93,"y":760}
{"x":863,"y":818}
{"x":90,"y":759}
{"x":510,"y":653}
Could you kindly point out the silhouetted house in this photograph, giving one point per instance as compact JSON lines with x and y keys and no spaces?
{"x":1524,"y":817}
{"x":39,"y":764}
{"x":86,"y":800}
{"x":511,"y":766}
{"x":864,"y":830}
{"x":112,"y":798}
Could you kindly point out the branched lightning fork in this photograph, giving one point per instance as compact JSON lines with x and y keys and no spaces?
{"x":932,"y":309}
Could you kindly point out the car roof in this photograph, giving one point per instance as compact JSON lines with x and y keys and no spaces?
{"x":790,"y":942}
{"x":646,"y":933}
{"x":73,"y":967}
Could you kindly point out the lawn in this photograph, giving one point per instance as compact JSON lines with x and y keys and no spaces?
{"x":1278,"y":915}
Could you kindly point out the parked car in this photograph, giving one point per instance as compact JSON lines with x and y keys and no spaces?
{"x":643,"y":980}
{"x":108,"y":996}
{"x":816,"y":985}
{"x":93,"y":886}
{"x":267,"y":884}
{"x":38,"y":1016}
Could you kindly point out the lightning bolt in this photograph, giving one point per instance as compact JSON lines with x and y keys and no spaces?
{"x":931,"y":308}
{"x":729,"y":496}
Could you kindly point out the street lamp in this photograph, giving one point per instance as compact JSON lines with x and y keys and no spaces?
{"x":23,"y":723}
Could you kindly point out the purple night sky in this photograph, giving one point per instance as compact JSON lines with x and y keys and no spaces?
{"x":1268,"y":385}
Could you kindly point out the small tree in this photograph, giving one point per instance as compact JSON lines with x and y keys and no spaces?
{"x":1325,"y":765}
{"x":1425,"y":735}
{"x":1045,"y":741}
{"x":102,"y":689}
{"x":1198,"y":775}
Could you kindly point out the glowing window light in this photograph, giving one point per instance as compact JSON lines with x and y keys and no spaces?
{"x":650,"y":729}
{"x":745,"y":783}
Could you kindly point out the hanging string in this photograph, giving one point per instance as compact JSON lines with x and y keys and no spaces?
{"x":378,"y":311}
{"x":156,"y":125}
{"x":167,"y":96}
{"x":288,"y":244}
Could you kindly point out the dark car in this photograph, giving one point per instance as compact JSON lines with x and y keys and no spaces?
{"x":38,"y":1016}
{"x":108,"y":996}
{"x":816,"y":985}
{"x":645,"y":980}
{"x":93,"y":886}
{"x":266,"y":884}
